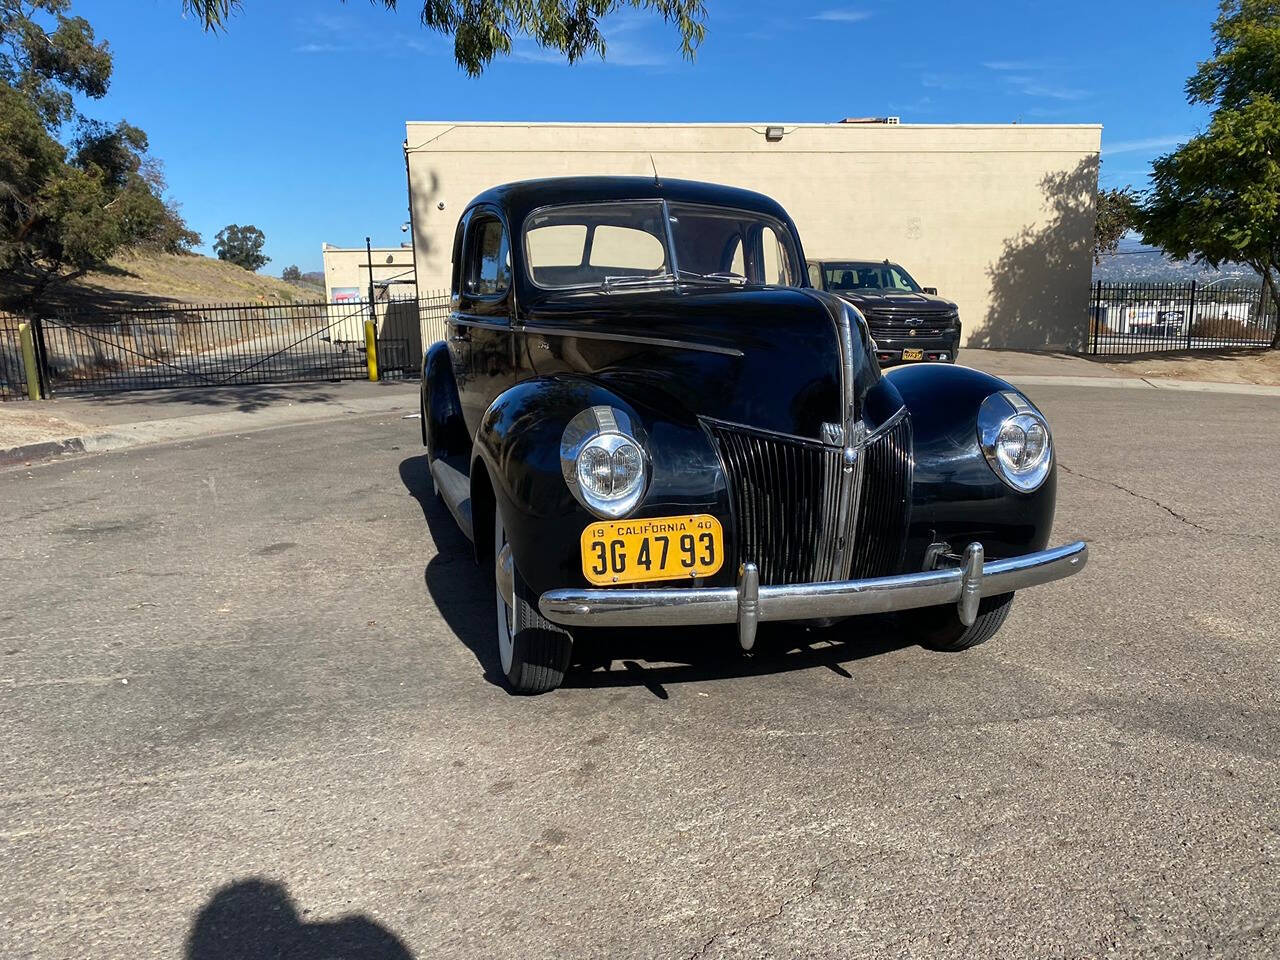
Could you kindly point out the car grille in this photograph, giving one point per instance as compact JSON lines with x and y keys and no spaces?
{"x":785,"y":495}
{"x":895,"y":325}
{"x":886,"y":503}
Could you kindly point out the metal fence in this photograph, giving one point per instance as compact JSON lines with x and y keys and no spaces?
{"x":13,"y":372}
{"x":202,"y":345}
{"x":1154,"y":317}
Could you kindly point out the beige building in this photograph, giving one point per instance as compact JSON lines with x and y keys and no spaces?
{"x":998,"y":217}
{"x":347,"y":269}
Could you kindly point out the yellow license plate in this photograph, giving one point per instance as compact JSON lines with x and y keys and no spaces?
{"x":657,"y":548}
{"x":913,"y":354}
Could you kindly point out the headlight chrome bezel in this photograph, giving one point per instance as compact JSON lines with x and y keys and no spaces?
{"x":1008,"y":409}
{"x":608,"y":429}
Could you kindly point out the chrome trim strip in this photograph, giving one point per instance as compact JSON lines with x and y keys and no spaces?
{"x":808,"y":601}
{"x":484,"y":324}
{"x":533,"y":328}
{"x":888,"y":424}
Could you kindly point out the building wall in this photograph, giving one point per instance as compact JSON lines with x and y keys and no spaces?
{"x":998,"y":218}
{"x":347,"y":268}
{"x":346,"y":286}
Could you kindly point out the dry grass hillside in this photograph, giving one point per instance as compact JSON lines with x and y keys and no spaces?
{"x":163,"y":277}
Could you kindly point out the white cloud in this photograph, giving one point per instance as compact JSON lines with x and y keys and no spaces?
{"x":841,"y":16}
{"x":1150,"y":144}
{"x":1015,"y":65}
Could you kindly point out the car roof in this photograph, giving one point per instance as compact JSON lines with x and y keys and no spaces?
{"x":524,"y":196}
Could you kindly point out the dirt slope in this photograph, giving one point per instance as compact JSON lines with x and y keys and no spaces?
{"x":148,"y":278}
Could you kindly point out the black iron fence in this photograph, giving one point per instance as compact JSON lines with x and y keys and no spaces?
{"x":13,"y":370}
{"x":1155,"y":317}
{"x":195,"y":345}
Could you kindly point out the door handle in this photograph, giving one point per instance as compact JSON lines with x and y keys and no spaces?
{"x":460,"y":336}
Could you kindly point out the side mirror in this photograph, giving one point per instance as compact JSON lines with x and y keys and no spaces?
{"x":932,"y":291}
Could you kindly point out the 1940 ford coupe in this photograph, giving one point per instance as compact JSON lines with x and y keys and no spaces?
{"x":644,"y":416}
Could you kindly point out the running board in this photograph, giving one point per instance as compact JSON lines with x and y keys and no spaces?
{"x":454,"y":488}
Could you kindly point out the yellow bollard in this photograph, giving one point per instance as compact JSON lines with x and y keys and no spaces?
{"x":29,"y":359}
{"x":371,"y":349}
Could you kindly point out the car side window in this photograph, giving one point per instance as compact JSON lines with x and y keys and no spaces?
{"x":815,"y":276}
{"x":488,"y":261}
{"x":776,"y":267}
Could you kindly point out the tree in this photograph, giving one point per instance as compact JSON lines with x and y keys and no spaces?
{"x":1216,"y":199}
{"x":69,"y":201}
{"x":484,"y":30}
{"x":1115,"y":217}
{"x":241,"y":246}
{"x":291,"y":274}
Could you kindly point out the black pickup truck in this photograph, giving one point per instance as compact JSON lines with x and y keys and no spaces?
{"x":909,"y":323}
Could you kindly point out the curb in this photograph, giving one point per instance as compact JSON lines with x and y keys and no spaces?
{"x":1146,"y":383}
{"x":200,"y":426}
{"x":45,"y":450}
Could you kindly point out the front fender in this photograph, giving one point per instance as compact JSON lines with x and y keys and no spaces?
{"x":518,"y":447}
{"x":442,"y":411}
{"x":956,"y":496}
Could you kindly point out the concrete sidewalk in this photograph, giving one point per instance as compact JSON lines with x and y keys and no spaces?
{"x":1067,"y":370}
{"x":91,"y":424}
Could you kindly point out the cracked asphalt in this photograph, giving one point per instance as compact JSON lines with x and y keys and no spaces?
{"x":247,"y":708}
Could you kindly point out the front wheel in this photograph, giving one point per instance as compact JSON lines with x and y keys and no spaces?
{"x":939,"y":628}
{"x":533,"y":652}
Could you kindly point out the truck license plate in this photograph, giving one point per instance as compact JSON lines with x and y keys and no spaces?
{"x":656,"y":548}
{"x":914,"y":353}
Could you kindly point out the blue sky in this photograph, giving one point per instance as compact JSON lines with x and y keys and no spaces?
{"x":293,"y":118}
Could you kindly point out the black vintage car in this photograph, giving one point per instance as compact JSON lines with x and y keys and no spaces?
{"x":644,"y":416}
{"x":909,"y":323}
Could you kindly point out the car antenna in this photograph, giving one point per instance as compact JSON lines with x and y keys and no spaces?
{"x":657,"y":181}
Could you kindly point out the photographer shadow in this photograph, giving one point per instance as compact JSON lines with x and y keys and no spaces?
{"x":258,"y":920}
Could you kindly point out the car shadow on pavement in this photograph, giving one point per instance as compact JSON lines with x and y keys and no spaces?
{"x":456,"y":585}
{"x":257,"y":920}
{"x":655,"y":658}
{"x":631,"y":658}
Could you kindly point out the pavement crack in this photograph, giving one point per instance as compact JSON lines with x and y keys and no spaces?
{"x":1152,"y":500}
{"x":783,"y":907}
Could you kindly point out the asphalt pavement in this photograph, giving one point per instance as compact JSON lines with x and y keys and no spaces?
{"x":249,"y":709}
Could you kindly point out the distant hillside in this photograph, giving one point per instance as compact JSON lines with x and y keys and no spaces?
{"x":1135,"y":263}
{"x":151,"y":278}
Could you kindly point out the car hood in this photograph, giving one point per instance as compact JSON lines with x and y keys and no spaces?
{"x":923,"y":303}
{"x":777,"y":359}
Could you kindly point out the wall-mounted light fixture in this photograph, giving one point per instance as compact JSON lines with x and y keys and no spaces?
{"x":774,"y":134}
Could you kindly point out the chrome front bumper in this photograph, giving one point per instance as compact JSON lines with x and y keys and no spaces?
{"x":749,"y":603}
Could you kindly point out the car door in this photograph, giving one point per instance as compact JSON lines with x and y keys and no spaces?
{"x":480,"y":327}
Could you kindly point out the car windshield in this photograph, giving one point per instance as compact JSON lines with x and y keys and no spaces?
{"x":869,"y":276}
{"x":619,"y":245}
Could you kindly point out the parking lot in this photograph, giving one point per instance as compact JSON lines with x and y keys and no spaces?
{"x":250,"y":709}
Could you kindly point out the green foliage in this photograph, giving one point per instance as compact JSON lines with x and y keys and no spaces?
{"x":291,"y":274}
{"x":1115,"y":217}
{"x":241,"y":246}
{"x":1216,"y":199}
{"x":48,"y":66}
{"x":67,"y":206}
{"x":1245,"y":59}
{"x":484,"y":30}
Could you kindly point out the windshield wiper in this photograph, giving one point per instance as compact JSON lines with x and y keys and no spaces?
{"x":733,"y":279}
{"x":610,"y":283}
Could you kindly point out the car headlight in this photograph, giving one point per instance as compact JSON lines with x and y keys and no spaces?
{"x":603,"y":459}
{"x":1015,"y":440}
